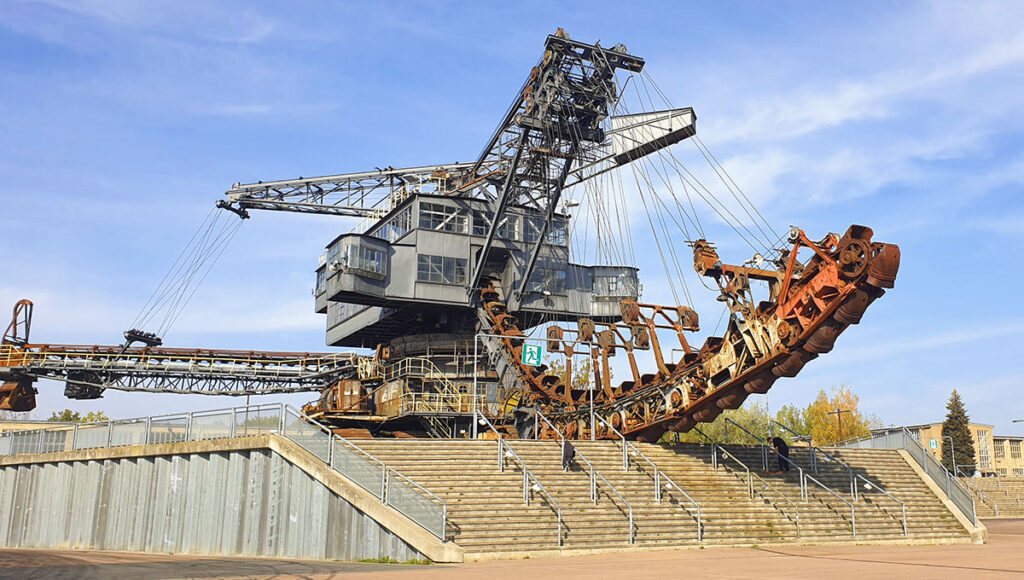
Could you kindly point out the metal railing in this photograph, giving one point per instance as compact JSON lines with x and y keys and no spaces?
{"x":594,"y":476}
{"x":504,"y":451}
{"x":629,"y":449}
{"x":764,"y":448}
{"x":982,"y":496}
{"x":765,"y":486}
{"x":854,"y":476}
{"x":804,"y":476}
{"x":853,"y":509}
{"x":368,"y":472}
{"x":901,"y":438}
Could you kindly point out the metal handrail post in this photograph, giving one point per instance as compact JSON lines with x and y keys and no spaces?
{"x":74,"y":438}
{"x":282,"y":421}
{"x":750,"y":483}
{"x":764,"y":444}
{"x":853,"y":509}
{"x":188,"y":427}
{"x":149,"y":426}
{"x":110,"y":432}
{"x":234,"y":419}
{"x":476,"y":371}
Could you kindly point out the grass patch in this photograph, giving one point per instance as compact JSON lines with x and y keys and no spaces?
{"x":384,"y":560}
{"x":389,"y":560}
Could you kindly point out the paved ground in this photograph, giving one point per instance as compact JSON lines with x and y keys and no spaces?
{"x":1002,"y":557}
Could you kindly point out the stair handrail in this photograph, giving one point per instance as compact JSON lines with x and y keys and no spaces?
{"x":814,"y":460}
{"x":659,"y":475}
{"x":187,"y":432}
{"x":981,"y":495}
{"x":703,"y":434}
{"x":764,"y":444}
{"x":764,"y":457}
{"x":853,"y":509}
{"x":963,"y":499}
{"x":388,"y":472}
{"x":716,"y":448}
{"x":854,"y":476}
{"x":594,"y":475}
{"x":503,"y":449}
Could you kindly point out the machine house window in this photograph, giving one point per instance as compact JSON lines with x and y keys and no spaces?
{"x":1015,"y":450}
{"x":441,"y":269}
{"x":395,"y":227}
{"x":481,"y":222}
{"x":548,"y":279}
{"x":365,"y":260}
{"x":435,"y":216}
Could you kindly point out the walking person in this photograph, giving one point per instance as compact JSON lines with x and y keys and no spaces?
{"x":568,"y":455}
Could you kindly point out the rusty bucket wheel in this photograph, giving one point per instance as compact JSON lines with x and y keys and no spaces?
{"x":854,"y":256}
{"x":789,"y":332}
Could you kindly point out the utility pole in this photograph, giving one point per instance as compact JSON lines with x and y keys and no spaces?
{"x":839,"y":417}
{"x":952,"y":452}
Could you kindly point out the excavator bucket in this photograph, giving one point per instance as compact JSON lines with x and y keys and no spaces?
{"x":18,"y":395}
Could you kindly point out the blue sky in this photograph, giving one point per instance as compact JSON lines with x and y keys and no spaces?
{"x":121,"y":122}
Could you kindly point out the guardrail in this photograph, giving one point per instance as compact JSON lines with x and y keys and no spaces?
{"x":594,"y":476}
{"x":853,"y":509}
{"x":982,"y":496}
{"x":505,"y":451}
{"x":854,"y":476}
{"x":765,"y":486}
{"x":628,"y":448}
{"x":388,"y":485}
{"x":902,"y":439}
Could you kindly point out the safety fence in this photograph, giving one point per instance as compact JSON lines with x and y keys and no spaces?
{"x":386,"y":484}
{"x":902,"y":439}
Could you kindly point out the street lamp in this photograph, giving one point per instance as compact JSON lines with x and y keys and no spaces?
{"x":952,"y":452}
{"x":839,"y":417}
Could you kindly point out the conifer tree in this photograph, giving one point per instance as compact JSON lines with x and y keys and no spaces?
{"x":955,"y":426}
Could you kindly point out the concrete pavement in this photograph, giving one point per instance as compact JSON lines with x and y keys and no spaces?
{"x":1001,"y":557}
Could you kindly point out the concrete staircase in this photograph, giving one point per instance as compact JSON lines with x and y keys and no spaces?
{"x":878,"y":516}
{"x":997,"y":496}
{"x":488,"y":517}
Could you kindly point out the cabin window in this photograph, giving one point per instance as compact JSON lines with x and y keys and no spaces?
{"x":441,"y":269}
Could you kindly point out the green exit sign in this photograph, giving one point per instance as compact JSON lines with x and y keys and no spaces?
{"x":532,"y":354}
{"x":934,"y":444}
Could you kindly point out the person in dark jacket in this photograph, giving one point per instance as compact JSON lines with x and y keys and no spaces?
{"x":568,"y":454}
{"x":782,"y":459}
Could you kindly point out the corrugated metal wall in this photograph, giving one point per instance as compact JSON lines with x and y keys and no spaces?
{"x":250,"y":502}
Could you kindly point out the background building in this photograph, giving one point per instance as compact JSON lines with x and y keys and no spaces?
{"x":1008,"y":458}
{"x":930,"y":435}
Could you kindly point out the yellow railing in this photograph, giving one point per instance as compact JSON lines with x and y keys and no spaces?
{"x":427,"y":403}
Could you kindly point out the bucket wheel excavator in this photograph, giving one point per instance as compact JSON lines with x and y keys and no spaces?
{"x":456,"y":272}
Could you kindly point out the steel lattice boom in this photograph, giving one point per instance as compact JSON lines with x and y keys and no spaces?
{"x":88,"y":370}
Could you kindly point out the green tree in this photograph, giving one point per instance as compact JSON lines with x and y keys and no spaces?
{"x":955,"y":426}
{"x":69,"y":416}
{"x":795,"y":418}
{"x":753,"y":416}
